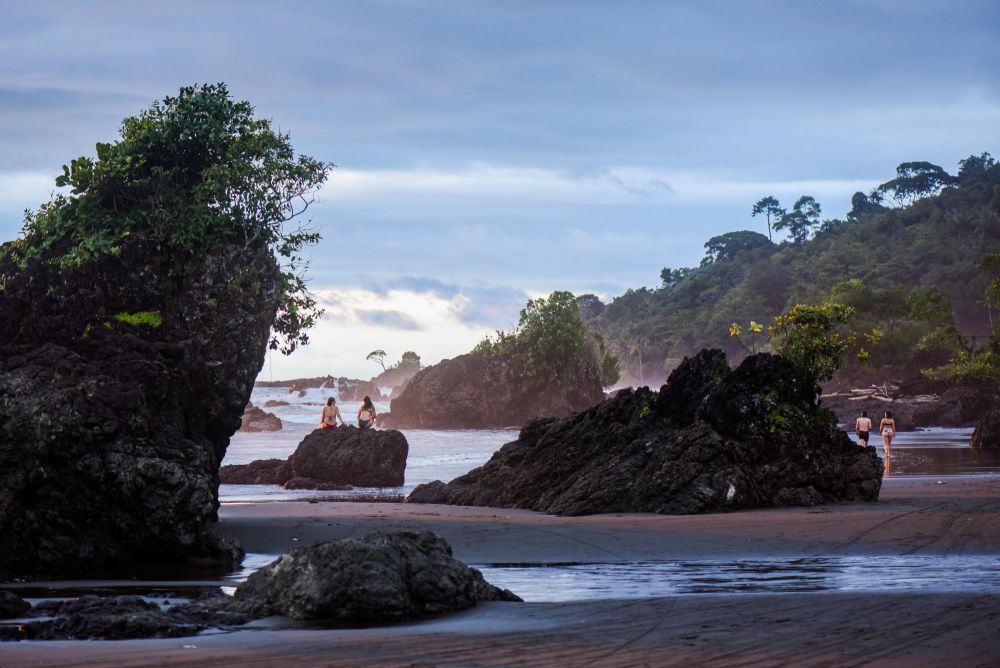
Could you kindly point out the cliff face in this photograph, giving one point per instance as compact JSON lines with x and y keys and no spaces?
{"x":711,"y":439}
{"x":476,"y":391}
{"x":120,"y":385}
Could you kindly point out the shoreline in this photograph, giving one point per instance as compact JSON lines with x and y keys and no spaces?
{"x":941,"y":515}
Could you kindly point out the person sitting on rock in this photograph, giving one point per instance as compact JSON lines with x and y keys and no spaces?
{"x":367,"y":414}
{"x":331,"y":413}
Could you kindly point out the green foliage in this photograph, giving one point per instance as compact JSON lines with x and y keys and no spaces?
{"x":915,"y":180}
{"x":192,"y":172}
{"x":888,"y":252}
{"x":810,"y":337}
{"x":551,"y":342}
{"x":728,"y":246}
{"x":770,"y":208}
{"x":800,"y":221}
{"x":143,"y":318}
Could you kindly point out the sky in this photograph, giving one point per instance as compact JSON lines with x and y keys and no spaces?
{"x":491,"y":152}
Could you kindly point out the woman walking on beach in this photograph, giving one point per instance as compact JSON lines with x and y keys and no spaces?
{"x":862,"y":427}
{"x":367,"y":414}
{"x":888,"y":428}
{"x":331,"y":413}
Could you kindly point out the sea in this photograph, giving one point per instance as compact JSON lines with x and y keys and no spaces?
{"x":437,"y":454}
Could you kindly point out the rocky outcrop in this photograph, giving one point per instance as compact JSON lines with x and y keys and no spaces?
{"x":381,"y":578}
{"x":378,"y":579}
{"x":256,"y":419}
{"x":257,"y":472}
{"x":346,"y":389}
{"x":332,"y":459}
{"x":712,"y":439}
{"x":275,"y":403}
{"x":478,"y":391}
{"x":987,"y":432}
{"x":955,"y":407}
{"x":120,"y":386}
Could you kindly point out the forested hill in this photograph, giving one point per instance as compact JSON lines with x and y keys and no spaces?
{"x":906,"y":258}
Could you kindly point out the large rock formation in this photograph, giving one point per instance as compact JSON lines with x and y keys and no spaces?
{"x":346,"y":389}
{"x":477,"y":391}
{"x":331,"y":458}
{"x":120,"y":385}
{"x":987,"y":432}
{"x":381,"y":578}
{"x":711,"y":440}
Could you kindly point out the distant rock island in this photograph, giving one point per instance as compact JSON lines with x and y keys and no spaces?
{"x":712,"y":439}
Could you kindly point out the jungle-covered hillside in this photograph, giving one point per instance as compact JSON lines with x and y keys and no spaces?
{"x":907,"y":258}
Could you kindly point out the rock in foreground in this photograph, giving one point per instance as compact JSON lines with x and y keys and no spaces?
{"x":712,"y":439}
{"x":381,"y":578}
{"x":330,"y":459}
{"x":987,"y":432}
{"x":120,"y":385}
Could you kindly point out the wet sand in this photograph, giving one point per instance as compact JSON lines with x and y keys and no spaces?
{"x":915,"y":516}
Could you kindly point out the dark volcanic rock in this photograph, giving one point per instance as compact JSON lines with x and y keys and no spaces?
{"x":477,"y":391}
{"x":331,"y":459}
{"x":351,"y":456}
{"x":710,"y":440}
{"x":12,"y":605}
{"x":258,"y":472}
{"x":111,"y":432}
{"x":383,"y":577}
{"x":256,"y":419}
{"x":987,"y":432}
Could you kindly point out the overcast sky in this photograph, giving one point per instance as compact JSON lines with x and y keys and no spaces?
{"x":492,"y":151}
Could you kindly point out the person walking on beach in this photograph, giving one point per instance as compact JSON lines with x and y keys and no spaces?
{"x":367,"y":414}
{"x":888,"y":429}
{"x":862,"y":427}
{"x":331,"y":413}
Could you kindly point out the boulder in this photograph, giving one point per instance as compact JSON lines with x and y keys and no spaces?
{"x":12,"y":605}
{"x":987,"y":431}
{"x":711,"y":439}
{"x":256,"y":419}
{"x":482,"y":391}
{"x":274,"y":403}
{"x":380,"y":578}
{"x":120,"y":386}
{"x":257,"y":472}
{"x":331,"y":459}
{"x":351,"y":456}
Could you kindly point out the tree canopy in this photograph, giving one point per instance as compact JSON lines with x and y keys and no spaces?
{"x":192,"y":172}
{"x":727,"y":246}
{"x":915,"y":180}
{"x":800,"y":221}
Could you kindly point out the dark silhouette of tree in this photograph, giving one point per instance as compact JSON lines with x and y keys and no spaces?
{"x":377,"y":356}
{"x":975,"y":168}
{"x":915,"y":180}
{"x":727,"y":246}
{"x":865,"y":205}
{"x":800,"y":221}
{"x":769,"y":207}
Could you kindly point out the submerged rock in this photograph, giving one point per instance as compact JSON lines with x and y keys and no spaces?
{"x":479,"y":391}
{"x":711,"y":440}
{"x":120,"y":386}
{"x":987,"y":432}
{"x":332,"y":459}
{"x":381,"y":578}
{"x":256,"y":419}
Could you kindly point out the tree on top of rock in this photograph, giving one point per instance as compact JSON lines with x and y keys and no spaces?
{"x":192,"y":173}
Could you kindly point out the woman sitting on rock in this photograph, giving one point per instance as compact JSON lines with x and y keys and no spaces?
{"x":367,"y":414}
{"x":331,"y":413}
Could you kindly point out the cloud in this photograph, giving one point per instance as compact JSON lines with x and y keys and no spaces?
{"x":389,"y":320}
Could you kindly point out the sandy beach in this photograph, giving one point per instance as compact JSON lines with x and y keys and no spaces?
{"x":916,"y":516}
